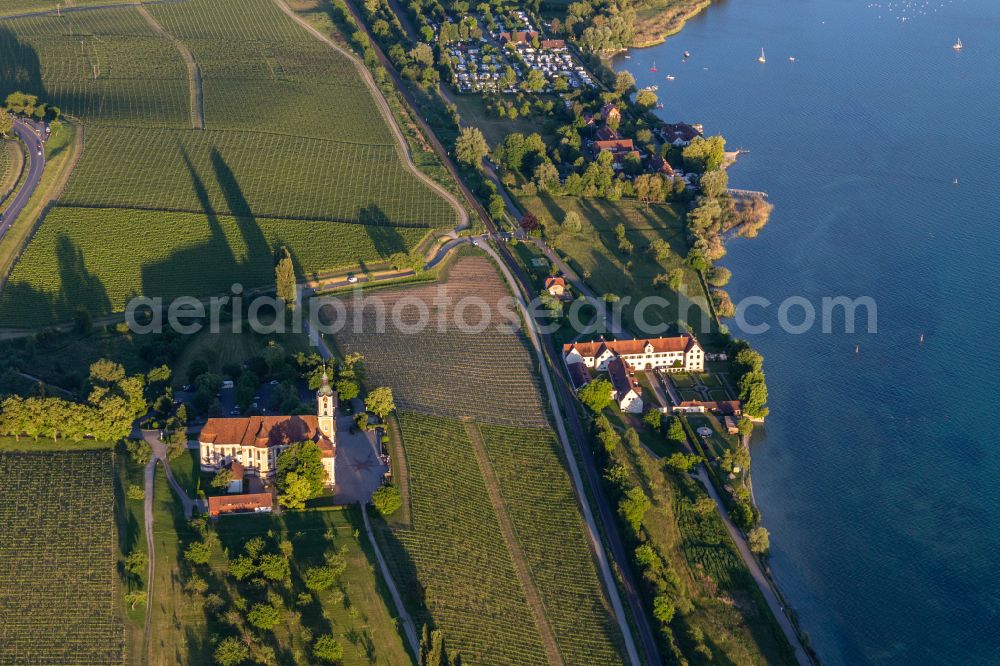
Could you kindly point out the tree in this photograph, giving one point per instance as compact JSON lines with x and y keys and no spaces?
{"x":471,"y":147}
{"x":318,"y":579}
{"x":653,"y":419}
{"x":380,"y":402}
{"x":304,"y":459}
{"x":264,"y":616}
{"x":327,"y":649}
{"x":529,"y":222}
{"x":624,"y":82}
{"x":199,"y":552}
{"x":646,"y":99}
{"x":6,"y":124}
{"x":274,"y":567}
{"x":284,"y":277}
{"x":633,"y":507}
{"x":297,"y":490}
{"x":759,"y":540}
{"x":387,"y":500}
{"x":714,"y":183}
{"x":231,"y":651}
{"x":136,"y":561}
{"x":572,"y":222}
{"x":703,"y":155}
{"x":597,"y":395}
{"x":718,"y":276}
{"x":135,"y":492}
{"x":683,"y":462}
{"x":663,"y":608}
{"x":222,"y":479}
{"x":347,"y":389}
{"x":660,"y":249}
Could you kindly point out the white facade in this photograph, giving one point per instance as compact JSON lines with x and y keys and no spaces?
{"x":682,"y":354}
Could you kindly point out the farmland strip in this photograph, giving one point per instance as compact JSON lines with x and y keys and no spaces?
{"x":516,"y":553}
{"x":194,"y":73}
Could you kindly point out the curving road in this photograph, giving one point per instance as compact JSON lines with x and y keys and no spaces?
{"x":29,"y":132}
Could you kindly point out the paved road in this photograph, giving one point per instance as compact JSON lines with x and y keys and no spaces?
{"x":28,"y":132}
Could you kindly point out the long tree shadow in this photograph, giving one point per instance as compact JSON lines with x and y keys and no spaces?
{"x":385,"y":237}
{"x":215,"y":259}
{"x":20,"y":67}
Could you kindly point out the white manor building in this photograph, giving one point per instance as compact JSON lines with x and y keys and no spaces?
{"x":678,"y":354}
{"x":256,"y":441}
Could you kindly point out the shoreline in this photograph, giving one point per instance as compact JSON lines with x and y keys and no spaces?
{"x":674,"y":29}
{"x":788,"y":611}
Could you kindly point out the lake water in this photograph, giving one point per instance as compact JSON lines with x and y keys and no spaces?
{"x":878,"y":471}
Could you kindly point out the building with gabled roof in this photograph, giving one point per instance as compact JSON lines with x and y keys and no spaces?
{"x":681,"y":353}
{"x":219,"y":505}
{"x":255,"y":442}
{"x":625,"y":387}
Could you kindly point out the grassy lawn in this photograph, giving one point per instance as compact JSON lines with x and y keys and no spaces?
{"x":710,"y":380}
{"x":681,"y":379}
{"x":130,"y":519}
{"x":718,"y":394}
{"x":184,"y":631}
{"x":42,"y":444}
{"x":594,"y":252}
{"x":228,"y":348}
{"x":689,"y":394}
{"x":473,"y":111}
{"x":187,"y":472}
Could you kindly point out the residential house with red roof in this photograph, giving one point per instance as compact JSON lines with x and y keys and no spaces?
{"x":254,"y":442}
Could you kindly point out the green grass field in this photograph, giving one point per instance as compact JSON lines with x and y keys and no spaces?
{"x":183,"y":630}
{"x":293,"y":137}
{"x":594,"y":252}
{"x":58,"y":587}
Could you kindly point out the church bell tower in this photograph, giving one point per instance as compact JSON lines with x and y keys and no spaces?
{"x":326,"y":405}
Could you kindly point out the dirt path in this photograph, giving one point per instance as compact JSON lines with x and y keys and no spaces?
{"x":402,"y":147}
{"x":147,"y":508}
{"x":409,"y":628}
{"x":194,"y":72}
{"x":514,"y":546}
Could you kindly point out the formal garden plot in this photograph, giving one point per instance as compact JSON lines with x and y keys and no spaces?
{"x":543,"y":507}
{"x":78,"y":258}
{"x":455,"y":554}
{"x":104,"y":66}
{"x":488,"y":377}
{"x":256,"y":174}
{"x":57,"y":581}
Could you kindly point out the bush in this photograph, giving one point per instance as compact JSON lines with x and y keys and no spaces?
{"x":135,"y":492}
{"x":387,"y":500}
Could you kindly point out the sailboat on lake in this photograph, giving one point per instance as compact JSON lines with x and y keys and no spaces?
{"x":762,"y":59}
{"x":958,"y":46}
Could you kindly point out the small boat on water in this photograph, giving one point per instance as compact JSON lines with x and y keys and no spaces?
{"x":921,"y":338}
{"x":652,"y":88}
{"x":955,"y":182}
{"x":687,"y":54}
{"x":628,"y":57}
{"x":762,"y":59}
{"x":958,"y":46}
{"x":670,"y":77}
{"x":857,"y":349}
{"x":791,"y":58}
{"x":653,"y":68}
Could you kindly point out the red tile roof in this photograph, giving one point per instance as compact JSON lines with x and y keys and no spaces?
{"x":552,"y":43}
{"x":237,"y":469}
{"x":629,"y":347}
{"x":220,"y":504}
{"x":265,"y":431}
{"x":554,"y":282}
{"x":615,"y":145}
